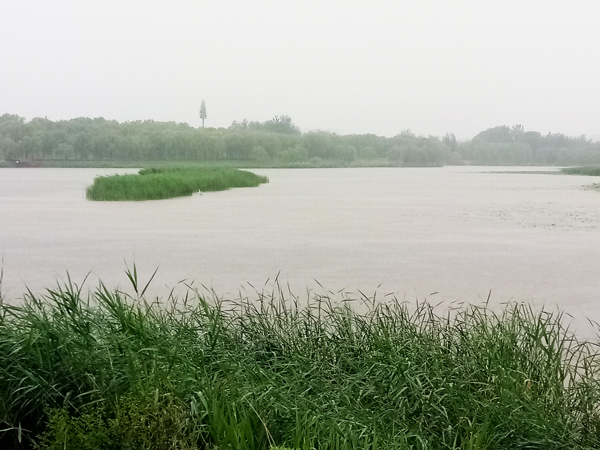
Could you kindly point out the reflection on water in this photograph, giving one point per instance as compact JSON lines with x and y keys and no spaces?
{"x":458,"y":231}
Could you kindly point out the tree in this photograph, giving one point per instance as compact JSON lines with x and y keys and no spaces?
{"x":203,"y":112}
{"x":294,"y":154}
{"x":369,"y":153}
{"x":449,"y":141}
{"x":259,"y":154}
{"x":395,"y":154}
{"x":517,"y":132}
{"x":501,"y":134}
{"x":345,"y":153}
{"x":281,"y":124}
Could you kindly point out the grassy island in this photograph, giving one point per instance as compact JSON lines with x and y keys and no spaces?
{"x":169,"y":182}
{"x":115,"y":371}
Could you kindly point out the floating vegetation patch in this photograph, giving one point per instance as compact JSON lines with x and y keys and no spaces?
{"x":170,"y":182}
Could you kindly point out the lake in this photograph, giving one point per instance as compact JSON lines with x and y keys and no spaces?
{"x":446,"y":234}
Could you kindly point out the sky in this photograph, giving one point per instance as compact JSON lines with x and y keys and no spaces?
{"x":379,"y":67}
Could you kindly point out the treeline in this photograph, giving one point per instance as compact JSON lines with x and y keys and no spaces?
{"x":514,"y":146}
{"x":276,"y":142}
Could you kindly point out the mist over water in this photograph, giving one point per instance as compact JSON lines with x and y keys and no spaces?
{"x":458,"y":232}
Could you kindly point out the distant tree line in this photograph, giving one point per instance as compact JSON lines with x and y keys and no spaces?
{"x":276,"y":142}
{"x":505,"y":145}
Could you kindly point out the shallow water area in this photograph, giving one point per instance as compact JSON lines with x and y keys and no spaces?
{"x":458,"y":232}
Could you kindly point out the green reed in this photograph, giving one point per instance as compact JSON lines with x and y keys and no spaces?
{"x":112,"y":370}
{"x":169,"y":182}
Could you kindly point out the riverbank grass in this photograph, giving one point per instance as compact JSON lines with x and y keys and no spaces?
{"x":588,"y":170}
{"x":170,"y":182}
{"x":114,"y":370}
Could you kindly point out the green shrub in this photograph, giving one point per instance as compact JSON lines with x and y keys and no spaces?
{"x":160,"y":423}
{"x":64,"y":432}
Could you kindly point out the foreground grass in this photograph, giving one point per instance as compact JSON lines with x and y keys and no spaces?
{"x":594,"y":171}
{"x":112,"y":371}
{"x":169,"y":182}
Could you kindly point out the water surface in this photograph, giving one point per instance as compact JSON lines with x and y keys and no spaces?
{"x":460,"y":232}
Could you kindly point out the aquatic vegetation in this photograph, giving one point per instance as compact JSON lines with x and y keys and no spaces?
{"x":587,"y":170}
{"x":277,"y":370}
{"x":169,"y":182}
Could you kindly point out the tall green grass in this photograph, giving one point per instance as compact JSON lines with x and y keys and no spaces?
{"x":593,"y":171}
{"x":113,"y":370}
{"x":169,"y":182}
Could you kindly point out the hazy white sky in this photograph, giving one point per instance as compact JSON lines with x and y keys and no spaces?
{"x":347,"y":66}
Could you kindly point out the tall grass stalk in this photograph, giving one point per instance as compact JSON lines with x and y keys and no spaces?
{"x":277,"y":370}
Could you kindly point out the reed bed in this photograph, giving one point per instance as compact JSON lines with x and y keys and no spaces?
{"x":170,"y":182}
{"x":593,"y":171}
{"x":111,"y":370}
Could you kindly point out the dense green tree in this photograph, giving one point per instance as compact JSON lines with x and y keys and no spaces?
{"x":259,"y":154}
{"x":449,"y":141}
{"x":345,"y":153}
{"x":296,"y":154}
{"x":64,"y":152}
{"x":395,"y":154}
{"x":455,"y":159}
{"x":517,"y":132}
{"x":278,"y":124}
{"x":237,"y":146}
{"x":368,"y":153}
{"x":500,"y":134}
{"x":319,"y":144}
{"x":8,"y":149}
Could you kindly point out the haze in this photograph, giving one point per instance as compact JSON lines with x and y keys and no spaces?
{"x":344,"y":66}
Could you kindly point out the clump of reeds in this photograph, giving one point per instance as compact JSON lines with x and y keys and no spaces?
{"x":588,"y":170}
{"x":279,"y":371}
{"x":162,"y":183}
